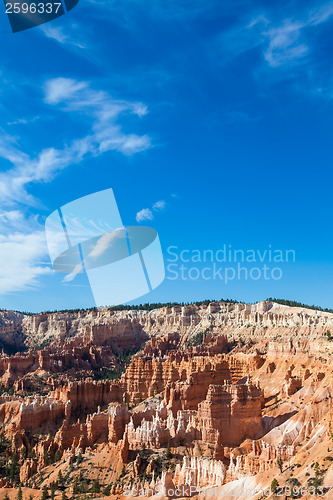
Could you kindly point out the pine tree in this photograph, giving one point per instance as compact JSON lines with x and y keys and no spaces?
{"x":14,"y":468}
{"x":96,"y":488}
{"x":317,"y":481}
{"x":53,"y":489}
{"x":76,"y":488}
{"x":61,"y":482}
{"x":45,"y":494}
{"x":47,"y":458}
{"x":107,"y":490}
{"x":279,"y":463}
{"x":274,"y":485}
{"x":19,"y":493}
{"x":168,"y":453}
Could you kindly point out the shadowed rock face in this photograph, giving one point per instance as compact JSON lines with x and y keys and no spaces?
{"x":211,"y":395}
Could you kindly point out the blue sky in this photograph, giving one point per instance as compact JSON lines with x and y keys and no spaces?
{"x":219,"y":112}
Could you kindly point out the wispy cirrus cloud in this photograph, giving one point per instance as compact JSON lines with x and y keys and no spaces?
{"x":321,"y":14}
{"x":285,"y":45}
{"x":287,"y":42}
{"x":58,"y":34}
{"x":22,"y":239}
{"x":27,"y":170}
{"x":78,"y":97}
{"x":282,"y":41}
{"x":23,"y":252}
{"x":24,"y":121}
{"x":105,"y":135}
{"x":58,"y":90}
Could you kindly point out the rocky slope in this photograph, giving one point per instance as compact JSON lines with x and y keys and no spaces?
{"x":225,"y":396}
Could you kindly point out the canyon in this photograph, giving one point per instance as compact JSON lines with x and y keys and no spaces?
{"x":187,"y":398}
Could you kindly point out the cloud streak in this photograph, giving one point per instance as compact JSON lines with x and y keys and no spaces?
{"x":283,"y":42}
{"x":23,"y":252}
{"x":105,"y":135}
{"x":57,"y":33}
{"x":22,"y":241}
{"x":284,"y":45}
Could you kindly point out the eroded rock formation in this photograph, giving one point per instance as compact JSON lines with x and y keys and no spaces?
{"x":212,"y":395}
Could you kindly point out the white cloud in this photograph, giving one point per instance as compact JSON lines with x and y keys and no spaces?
{"x":21,"y":256}
{"x":11,"y":217}
{"x":70,"y":277}
{"x":321,"y":15}
{"x":104,"y":243}
{"x":23,"y":252}
{"x":22,"y":240}
{"x":57,"y":33}
{"x":284,"y":44}
{"x":283,"y":41}
{"x":147,"y":213}
{"x":112,"y":139}
{"x":60,"y":89}
{"x":140,"y":109}
{"x":24,"y":121}
{"x":105,"y":135}
{"x":144,"y":214}
{"x":159,"y":205}
{"x":77,"y":96}
{"x":27,"y":170}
